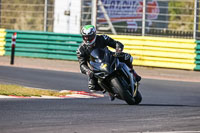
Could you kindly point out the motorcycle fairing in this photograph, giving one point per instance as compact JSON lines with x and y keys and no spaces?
{"x":106,"y":66}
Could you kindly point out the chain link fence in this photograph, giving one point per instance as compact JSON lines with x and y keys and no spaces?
{"x":27,"y":14}
{"x":169,"y":18}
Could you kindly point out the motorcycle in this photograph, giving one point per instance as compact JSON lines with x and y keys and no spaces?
{"x":114,"y":76}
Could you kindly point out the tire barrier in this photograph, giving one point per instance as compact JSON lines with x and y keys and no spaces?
{"x":147,"y":51}
{"x":43,"y":44}
{"x":162,"y":52}
{"x":2,"y":41}
{"x":197,"y":59}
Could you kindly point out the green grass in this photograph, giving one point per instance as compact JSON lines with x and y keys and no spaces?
{"x":16,"y":90}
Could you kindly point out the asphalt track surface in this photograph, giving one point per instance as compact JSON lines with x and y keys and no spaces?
{"x":172,"y":106}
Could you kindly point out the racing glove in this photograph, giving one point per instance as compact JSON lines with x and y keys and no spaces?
{"x":118,"y":50}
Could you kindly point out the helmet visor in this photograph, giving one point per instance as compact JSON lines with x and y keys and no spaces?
{"x":88,"y":38}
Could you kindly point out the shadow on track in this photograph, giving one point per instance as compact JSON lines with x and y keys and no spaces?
{"x":153,"y":105}
{"x":167,"y":105}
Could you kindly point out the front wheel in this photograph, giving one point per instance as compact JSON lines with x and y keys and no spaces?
{"x":121,"y":89}
{"x":138,"y":98}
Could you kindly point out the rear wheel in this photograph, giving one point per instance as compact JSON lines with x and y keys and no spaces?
{"x":121,"y":89}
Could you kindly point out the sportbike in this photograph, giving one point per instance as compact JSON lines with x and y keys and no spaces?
{"x":114,"y":76}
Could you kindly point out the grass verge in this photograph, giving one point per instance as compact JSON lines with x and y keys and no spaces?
{"x":16,"y":90}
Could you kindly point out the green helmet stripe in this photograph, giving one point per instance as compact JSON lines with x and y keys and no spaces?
{"x":88,"y":26}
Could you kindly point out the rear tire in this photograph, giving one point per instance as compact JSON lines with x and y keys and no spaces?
{"x":121,"y":89}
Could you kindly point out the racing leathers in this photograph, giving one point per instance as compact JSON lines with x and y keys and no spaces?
{"x":102,"y":41}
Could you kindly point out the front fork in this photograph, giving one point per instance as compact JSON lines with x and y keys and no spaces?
{"x":136,"y":86}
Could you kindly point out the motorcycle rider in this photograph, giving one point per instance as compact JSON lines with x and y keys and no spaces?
{"x":91,"y":41}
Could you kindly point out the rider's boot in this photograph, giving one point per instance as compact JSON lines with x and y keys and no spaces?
{"x":112,"y":98}
{"x":95,"y":89}
{"x":137,"y":77}
{"x":93,"y":86}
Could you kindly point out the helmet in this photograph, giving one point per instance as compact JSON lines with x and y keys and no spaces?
{"x":89,"y":34}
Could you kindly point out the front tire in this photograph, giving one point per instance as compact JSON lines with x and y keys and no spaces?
{"x":138,"y":98}
{"x":121,"y":89}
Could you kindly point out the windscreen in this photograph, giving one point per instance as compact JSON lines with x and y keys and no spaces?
{"x":97,"y":55}
{"x":97,"y":58}
{"x":102,"y":60}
